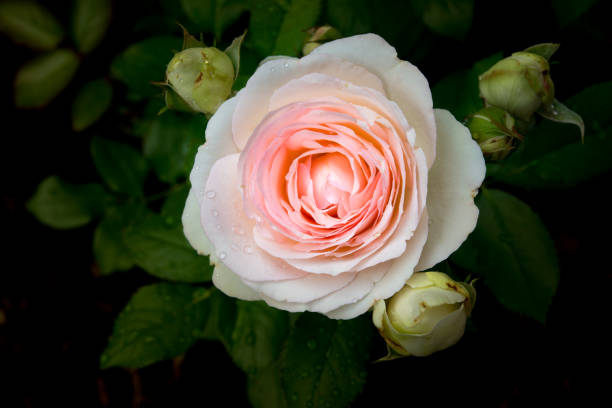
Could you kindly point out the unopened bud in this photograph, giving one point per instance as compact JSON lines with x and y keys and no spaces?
{"x":494,"y":131}
{"x":318,"y":36}
{"x":428,"y":315}
{"x":202,"y":77}
{"x":519,"y":84}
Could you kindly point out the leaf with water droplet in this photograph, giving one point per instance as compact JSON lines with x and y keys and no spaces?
{"x":323,"y":356}
{"x":558,"y":112}
{"x":160,"y":322}
{"x":258,"y":335}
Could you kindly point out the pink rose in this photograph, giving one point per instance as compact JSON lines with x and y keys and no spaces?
{"x":328,"y":180}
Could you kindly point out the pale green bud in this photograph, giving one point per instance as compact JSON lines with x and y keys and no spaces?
{"x":318,"y":36}
{"x":494,"y":130}
{"x":202,"y":77}
{"x":427,"y":315}
{"x":519,"y":84}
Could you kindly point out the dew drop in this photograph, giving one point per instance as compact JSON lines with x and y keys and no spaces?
{"x":214,"y":213}
{"x":286,"y":65}
{"x":222,"y":255}
{"x":211,"y":194}
{"x":219,"y":227}
{"x":235,"y":247}
{"x":248,"y":249}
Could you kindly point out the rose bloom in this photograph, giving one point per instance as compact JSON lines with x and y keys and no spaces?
{"x":328,"y":180}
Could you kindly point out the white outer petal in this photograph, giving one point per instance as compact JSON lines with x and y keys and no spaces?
{"x":231,"y":284}
{"x":454,"y":180}
{"x":403,"y":82}
{"x":255,"y":96}
{"x":192,"y":228}
{"x":219,"y":143}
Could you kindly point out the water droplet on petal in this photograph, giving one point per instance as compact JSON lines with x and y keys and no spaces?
{"x":211,"y":194}
{"x":235,"y":247}
{"x":222,"y":255}
{"x":219,"y":227}
{"x":214,"y":213}
{"x":248,"y":249}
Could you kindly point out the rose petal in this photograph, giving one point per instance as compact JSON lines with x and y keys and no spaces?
{"x":255,"y":96}
{"x":219,"y":143}
{"x":192,"y":228}
{"x":302,"y":290}
{"x":231,"y":232}
{"x":231,"y":284}
{"x":403,"y":82}
{"x":454,"y":180}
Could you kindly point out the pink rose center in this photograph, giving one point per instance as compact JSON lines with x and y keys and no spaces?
{"x":327,"y":179}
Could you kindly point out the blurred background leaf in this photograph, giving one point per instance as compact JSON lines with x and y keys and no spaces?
{"x":62,"y":205}
{"x":43,"y":78}
{"x":90,"y":22}
{"x":29,"y":23}
{"x":90,"y":103}
{"x":122,"y":168}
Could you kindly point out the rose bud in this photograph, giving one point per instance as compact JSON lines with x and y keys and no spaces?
{"x":494,"y":130}
{"x":427,"y":315}
{"x":519,"y":84}
{"x":202,"y":77}
{"x":318,"y":36}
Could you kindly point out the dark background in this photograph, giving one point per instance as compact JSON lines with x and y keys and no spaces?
{"x":56,"y":312}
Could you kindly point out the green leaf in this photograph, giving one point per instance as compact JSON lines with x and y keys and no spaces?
{"x":109,"y":248}
{"x":265,"y":389}
{"x":213,"y":16}
{"x":552,"y":155}
{"x":545,"y":50}
{"x":122,"y":168}
{"x":29,"y":23}
{"x":350,"y":17}
{"x":43,"y":78}
{"x":173,"y":207}
{"x":93,"y":99}
{"x":172,"y":142}
{"x":558,"y":112}
{"x":452,"y":18}
{"x":161,"y":321}
{"x":90,"y":20}
{"x":201,"y":12}
{"x":458,"y":92}
{"x":568,"y":11}
{"x":301,"y":16}
{"x":163,"y":251}
{"x":258,"y":335}
{"x":222,"y":318}
{"x":233,"y":51}
{"x":143,"y":63}
{"x":325,"y":361}
{"x":512,"y":250}
{"x":61,"y":205}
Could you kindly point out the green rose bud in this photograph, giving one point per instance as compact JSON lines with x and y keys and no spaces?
{"x":202,"y":77}
{"x":427,"y":315}
{"x":494,"y":130}
{"x":519,"y":84}
{"x":318,"y":36}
